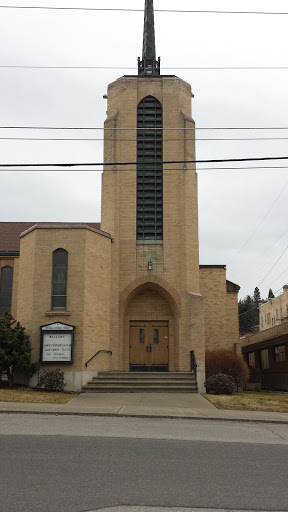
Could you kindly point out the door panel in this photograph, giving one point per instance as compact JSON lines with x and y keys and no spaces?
{"x":139,"y":348}
{"x":160,"y":343}
{"x":149,"y":345}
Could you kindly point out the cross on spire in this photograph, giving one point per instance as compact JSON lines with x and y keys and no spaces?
{"x":149,"y":66}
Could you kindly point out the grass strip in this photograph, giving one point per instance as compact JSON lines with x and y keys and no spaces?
{"x":35,"y":397}
{"x":270,"y":402}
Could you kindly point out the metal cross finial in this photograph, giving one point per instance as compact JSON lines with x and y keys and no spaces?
{"x":149,"y":66}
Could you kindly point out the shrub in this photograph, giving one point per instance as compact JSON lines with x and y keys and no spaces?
{"x":220,"y":384}
{"x":51,"y":380}
{"x":228,"y":362}
{"x":15,"y":349}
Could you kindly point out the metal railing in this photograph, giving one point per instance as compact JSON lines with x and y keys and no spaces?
{"x":193,"y":363}
{"x":99,"y":352}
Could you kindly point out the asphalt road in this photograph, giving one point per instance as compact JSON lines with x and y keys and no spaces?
{"x":55,"y":464}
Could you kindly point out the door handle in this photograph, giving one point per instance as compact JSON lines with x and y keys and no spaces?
{"x":147,"y":349}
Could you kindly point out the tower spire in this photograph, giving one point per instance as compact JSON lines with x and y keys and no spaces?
{"x":149,"y":66}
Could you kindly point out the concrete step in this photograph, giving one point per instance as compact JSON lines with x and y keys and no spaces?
{"x":142,"y":382}
{"x":139,"y":389}
{"x":145,"y":376}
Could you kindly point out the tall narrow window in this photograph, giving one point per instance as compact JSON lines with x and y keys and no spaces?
{"x":6,"y":283}
{"x":59,"y":279}
{"x":149,"y":170}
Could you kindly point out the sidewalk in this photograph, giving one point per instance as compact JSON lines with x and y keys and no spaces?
{"x":151,"y":405}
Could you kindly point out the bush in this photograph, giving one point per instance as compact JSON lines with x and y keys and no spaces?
{"x":220,"y":384}
{"x":51,"y":380}
{"x":229,"y":363}
{"x":15,"y":349}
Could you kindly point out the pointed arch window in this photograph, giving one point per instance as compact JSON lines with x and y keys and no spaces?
{"x":59,"y":279}
{"x":149,"y":170}
{"x":6,"y":284}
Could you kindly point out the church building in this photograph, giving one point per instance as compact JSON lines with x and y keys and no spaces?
{"x":128,"y":295}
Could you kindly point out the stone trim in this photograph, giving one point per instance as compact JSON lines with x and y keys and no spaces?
{"x":65,"y":226}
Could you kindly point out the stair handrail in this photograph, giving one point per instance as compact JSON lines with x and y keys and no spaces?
{"x":99,"y":351}
{"x":193,"y":363}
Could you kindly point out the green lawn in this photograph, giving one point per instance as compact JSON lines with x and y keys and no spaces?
{"x":34,"y":397}
{"x":273,"y":402}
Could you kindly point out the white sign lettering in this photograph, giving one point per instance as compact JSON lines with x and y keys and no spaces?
{"x":57,"y":347}
{"x":57,"y":327}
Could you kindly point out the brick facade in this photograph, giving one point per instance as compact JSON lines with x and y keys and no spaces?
{"x":109,"y":282}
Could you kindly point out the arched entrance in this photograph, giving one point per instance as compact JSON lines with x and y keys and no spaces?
{"x":151,"y":325}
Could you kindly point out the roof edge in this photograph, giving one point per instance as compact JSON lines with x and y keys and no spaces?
{"x":65,"y":226}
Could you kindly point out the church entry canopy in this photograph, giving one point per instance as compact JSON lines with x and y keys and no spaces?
{"x":57,"y":343}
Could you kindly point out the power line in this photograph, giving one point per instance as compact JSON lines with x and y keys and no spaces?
{"x":260,"y":223}
{"x":135,"y":170}
{"x":142,"y":129}
{"x":282,"y":254}
{"x":67,"y":169}
{"x":134,"y":140}
{"x":152,"y":162}
{"x":195,"y":68}
{"x":37,"y":7}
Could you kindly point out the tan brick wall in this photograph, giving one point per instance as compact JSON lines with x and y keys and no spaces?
{"x":220,"y":310}
{"x":97,"y":320}
{"x":176,"y":261}
{"x":232,"y":319}
{"x":87,"y":284}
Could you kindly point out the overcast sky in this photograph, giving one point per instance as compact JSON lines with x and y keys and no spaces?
{"x":243,"y":213}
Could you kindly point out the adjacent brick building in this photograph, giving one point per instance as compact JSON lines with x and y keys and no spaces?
{"x":132,"y":288}
{"x":266,"y":352}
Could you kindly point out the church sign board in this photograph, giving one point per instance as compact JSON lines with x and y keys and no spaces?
{"x":57,"y":343}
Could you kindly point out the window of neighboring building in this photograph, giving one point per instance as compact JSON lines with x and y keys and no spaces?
{"x":276,"y":314}
{"x":251,"y":360}
{"x":280,"y":355}
{"x":59,"y":279}
{"x":149,"y":170}
{"x":264,"y":359}
{"x":6,"y":283}
{"x":273,"y":321}
{"x":261,"y":321}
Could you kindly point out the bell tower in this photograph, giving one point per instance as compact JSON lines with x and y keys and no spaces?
{"x":150,"y":208}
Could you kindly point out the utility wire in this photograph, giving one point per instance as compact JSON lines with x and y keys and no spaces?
{"x":141,"y":129}
{"x":195,"y":68}
{"x":152,"y":162}
{"x":259,"y":225}
{"x":68,"y":169}
{"x":37,"y":7}
{"x":282,"y":254}
{"x":257,"y":305}
{"x":134,"y":140}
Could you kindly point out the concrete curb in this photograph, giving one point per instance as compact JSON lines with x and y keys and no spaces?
{"x":148,"y":416}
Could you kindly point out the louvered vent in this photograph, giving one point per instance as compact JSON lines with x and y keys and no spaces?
{"x":149,"y":170}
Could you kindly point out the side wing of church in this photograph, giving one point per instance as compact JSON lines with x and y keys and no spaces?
{"x":131,"y":290}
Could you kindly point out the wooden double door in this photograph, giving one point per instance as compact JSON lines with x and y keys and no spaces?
{"x":149,"y":346}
